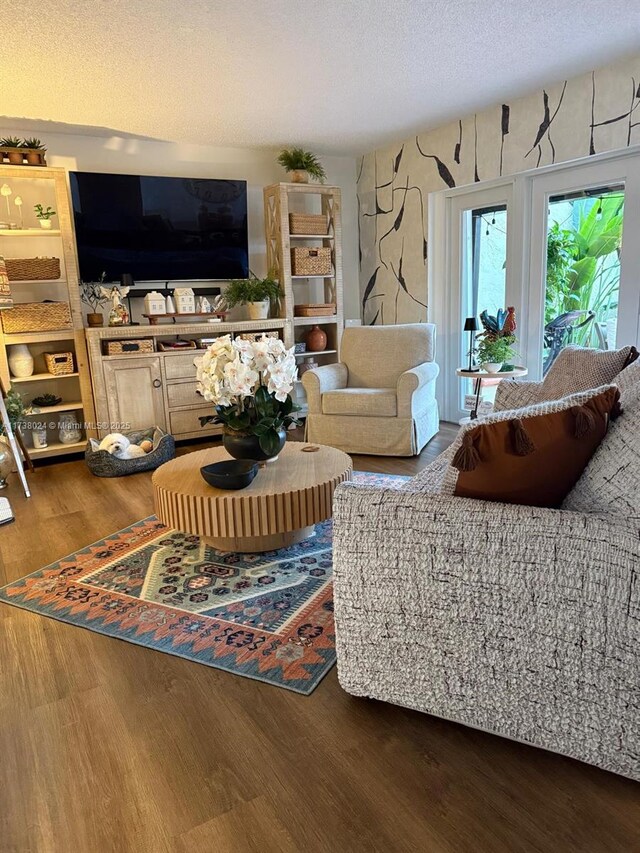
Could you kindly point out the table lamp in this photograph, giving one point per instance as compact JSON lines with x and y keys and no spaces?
{"x":471,"y":326}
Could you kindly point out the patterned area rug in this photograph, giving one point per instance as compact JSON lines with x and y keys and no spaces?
{"x":265,"y":616}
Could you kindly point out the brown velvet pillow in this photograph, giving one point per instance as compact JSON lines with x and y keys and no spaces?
{"x":533,"y":460}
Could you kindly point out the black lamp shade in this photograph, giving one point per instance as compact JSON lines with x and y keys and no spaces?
{"x":471,"y":324}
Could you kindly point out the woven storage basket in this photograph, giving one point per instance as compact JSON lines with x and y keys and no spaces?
{"x":103,"y":464}
{"x":256,"y":336}
{"x":33,"y":269}
{"x":130,"y":347}
{"x":59,"y":363}
{"x":310,"y":261}
{"x":36,"y":317}
{"x":308,"y":223}
{"x":324,"y":309}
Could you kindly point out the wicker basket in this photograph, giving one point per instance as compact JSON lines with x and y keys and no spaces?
{"x":129,"y":347}
{"x":33,"y":269}
{"x":308,"y":223}
{"x":310,"y":261}
{"x":325,"y":309}
{"x":256,"y":336}
{"x":36,"y":317}
{"x":59,"y":363}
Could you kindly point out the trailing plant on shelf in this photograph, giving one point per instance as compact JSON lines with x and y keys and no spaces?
{"x":301,"y":165}
{"x":250,"y":384}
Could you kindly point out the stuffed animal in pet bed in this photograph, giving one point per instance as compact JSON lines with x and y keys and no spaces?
{"x":118,"y":445}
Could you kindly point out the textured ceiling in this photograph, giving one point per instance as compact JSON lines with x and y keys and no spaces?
{"x":338,"y":75}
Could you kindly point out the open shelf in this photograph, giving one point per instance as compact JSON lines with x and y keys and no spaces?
{"x":311,"y":236}
{"x":56,"y":448}
{"x":28,"y":232}
{"x":61,"y":407}
{"x":41,"y":377}
{"x":37,"y":337}
{"x":295,"y":277}
{"x":314,"y":321}
{"x":310,"y":353}
{"x":36,"y":281}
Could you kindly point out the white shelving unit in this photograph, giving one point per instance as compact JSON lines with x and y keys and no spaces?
{"x":279,"y":201}
{"x":47,"y":186}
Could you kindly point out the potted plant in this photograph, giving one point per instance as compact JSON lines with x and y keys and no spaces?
{"x":493,"y":352}
{"x":256,"y":293}
{"x":44,"y":216}
{"x":15,"y":411}
{"x":250,"y":384}
{"x":34,"y":151}
{"x":15,"y":154}
{"x":91,"y":293}
{"x":301,"y":165}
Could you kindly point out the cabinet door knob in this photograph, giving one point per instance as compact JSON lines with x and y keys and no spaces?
{"x":157,"y":383}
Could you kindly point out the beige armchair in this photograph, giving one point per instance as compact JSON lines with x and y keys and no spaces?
{"x":380,"y":399}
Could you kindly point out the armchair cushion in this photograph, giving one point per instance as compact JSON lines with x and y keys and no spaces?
{"x":367,"y":402}
{"x":531,"y":456}
{"x":316,"y":382}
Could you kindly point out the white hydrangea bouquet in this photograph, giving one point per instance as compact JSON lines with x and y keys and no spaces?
{"x":250,"y":384}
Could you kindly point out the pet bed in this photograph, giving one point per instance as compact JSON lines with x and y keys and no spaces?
{"x":103,"y":464}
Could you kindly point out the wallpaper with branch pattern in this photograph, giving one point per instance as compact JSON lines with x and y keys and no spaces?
{"x":595,"y":112}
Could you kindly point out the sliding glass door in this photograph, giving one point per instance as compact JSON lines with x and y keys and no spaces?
{"x":479,"y":224}
{"x":583,"y":281}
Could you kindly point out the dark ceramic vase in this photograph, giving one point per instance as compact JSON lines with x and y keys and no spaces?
{"x":242,"y":446}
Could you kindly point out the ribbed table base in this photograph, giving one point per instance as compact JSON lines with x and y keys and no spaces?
{"x":257,"y":544}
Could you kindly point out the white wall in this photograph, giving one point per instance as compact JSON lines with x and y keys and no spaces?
{"x":257,"y":166}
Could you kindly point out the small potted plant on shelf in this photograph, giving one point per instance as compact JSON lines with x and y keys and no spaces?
{"x":250,"y":384}
{"x":34,"y":151}
{"x":301,"y":165}
{"x":14,"y":154}
{"x":44,"y":216}
{"x":258,"y":294}
{"x":92,"y":294}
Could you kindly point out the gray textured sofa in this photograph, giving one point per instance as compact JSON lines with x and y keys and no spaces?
{"x":520,"y":621}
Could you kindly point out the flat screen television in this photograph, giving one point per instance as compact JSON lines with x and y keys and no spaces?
{"x":160,"y":229}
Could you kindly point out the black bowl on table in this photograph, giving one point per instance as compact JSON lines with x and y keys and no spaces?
{"x":231,"y":474}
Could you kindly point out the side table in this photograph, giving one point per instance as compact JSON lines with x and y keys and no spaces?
{"x":479,"y":375}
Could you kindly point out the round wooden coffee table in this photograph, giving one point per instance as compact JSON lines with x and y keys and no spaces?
{"x":280,"y":507}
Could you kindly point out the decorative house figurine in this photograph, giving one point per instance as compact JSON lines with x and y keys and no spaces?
{"x":154,"y":303}
{"x":185,"y":300}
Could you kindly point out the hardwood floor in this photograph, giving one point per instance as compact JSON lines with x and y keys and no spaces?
{"x":107,"y":746}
